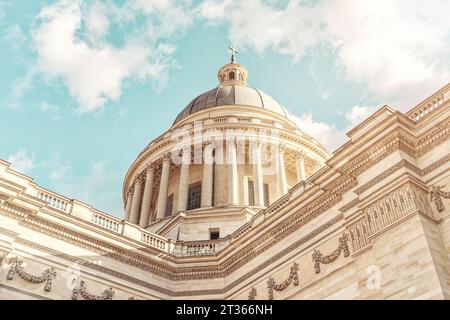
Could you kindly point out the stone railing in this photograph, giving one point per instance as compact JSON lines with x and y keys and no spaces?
{"x":221,"y":120}
{"x":199,"y":248}
{"x":419,"y":112}
{"x":54,"y":201}
{"x":106,"y":221}
{"x":155,"y":241}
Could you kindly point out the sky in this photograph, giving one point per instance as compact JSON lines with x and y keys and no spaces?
{"x":86,"y":85}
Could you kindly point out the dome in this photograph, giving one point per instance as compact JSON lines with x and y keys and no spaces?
{"x":232,"y":94}
{"x":232,"y":90}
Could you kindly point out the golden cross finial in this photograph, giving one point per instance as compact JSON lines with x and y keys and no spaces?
{"x":233,"y":54}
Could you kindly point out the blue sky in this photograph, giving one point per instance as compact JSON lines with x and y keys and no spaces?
{"x":86,"y":85}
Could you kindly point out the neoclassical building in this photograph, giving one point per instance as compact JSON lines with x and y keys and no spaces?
{"x":235,"y":201}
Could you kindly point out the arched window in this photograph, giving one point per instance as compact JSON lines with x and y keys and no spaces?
{"x":231,"y":76}
{"x":241,"y":77}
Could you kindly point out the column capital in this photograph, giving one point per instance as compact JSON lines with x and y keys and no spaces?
{"x":232,"y":142}
{"x":281,"y":147}
{"x":150,"y":167}
{"x":166,"y":157}
{"x":300,"y":154}
{"x":140,"y":177}
{"x":129,"y":192}
{"x":208,"y":144}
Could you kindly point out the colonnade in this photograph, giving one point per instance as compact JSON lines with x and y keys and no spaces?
{"x":139,"y":196}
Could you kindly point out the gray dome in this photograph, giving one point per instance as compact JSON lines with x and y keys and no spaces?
{"x":232,"y":94}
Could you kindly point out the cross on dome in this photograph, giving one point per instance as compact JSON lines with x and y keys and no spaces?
{"x":233,"y":54}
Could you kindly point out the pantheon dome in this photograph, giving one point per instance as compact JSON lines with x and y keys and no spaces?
{"x":240,"y":152}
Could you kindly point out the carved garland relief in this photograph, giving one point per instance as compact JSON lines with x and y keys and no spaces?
{"x":108,"y":294}
{"x":252,"y":295}
{"x":436,"y":195}
{"x":16,"y":267}
{"x":318,"y":258}
{"x":293,"y":277}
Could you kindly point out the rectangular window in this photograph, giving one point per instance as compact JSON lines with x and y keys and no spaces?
{"x":169,"y":206}
{"x":194,"y":197}
{"x":266,"y":195}
{"x":251,"y":193}
{"x":214,"y":234}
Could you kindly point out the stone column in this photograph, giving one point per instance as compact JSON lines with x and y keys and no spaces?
{"x":128,"y":206}
{"x":245,"y":191}
{"x":259,"y":183}
{"x":221,"y":182}
{"x":147,"y":199}
{"x":301,"y":175}
{"x":208,"y":175}
{"x":282,"y":182}
{"x":136,"y":204}
{"x":233,"y":173}
{"x":184,"y":181}
{"x":163,"y":187}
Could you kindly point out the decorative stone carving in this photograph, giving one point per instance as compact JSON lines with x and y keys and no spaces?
{"x":319,"y":258}
{"x":252,"y":295}
{"x":16,"y":267}
{"x":436,"y":195}
{"x":108,"y":294}
{"x":293,"y":277}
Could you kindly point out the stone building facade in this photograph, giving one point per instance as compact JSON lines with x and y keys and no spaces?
{"x":235,"y":201}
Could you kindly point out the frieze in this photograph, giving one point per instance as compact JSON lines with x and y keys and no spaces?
{"x":318,"y":258}
{"x":349,"y":205}
{"x":93,"y":266}
{"x":16,"y":268}
{"x":15,"y":209}
{"x":304,"y":215}
{"x":436,"y":164}
{"x":293,"y":278}
{"x":151,"y":286}
{"x":399,"y":165}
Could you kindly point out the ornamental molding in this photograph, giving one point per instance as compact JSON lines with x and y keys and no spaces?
{"x":15,"y":209}
{"x":349,"y":205}
{"x":293,"y":278}
{"x":300,"y":218}
{"x":436,"y":195}
{"x":16,"y":268}
{"x":107,"y":294}
{"x":288,"y":250}
{"x":318,"y":258}
{"x":436,"y":164}
{"x":399,"y":165}
{"x":382,"y":214}
{"x":93,"y":266}
{"x":4,"y":197}
{"x":167,"y":292}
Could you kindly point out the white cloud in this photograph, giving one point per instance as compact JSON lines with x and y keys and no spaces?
{"x":97,"y":23}
{"x":22,"y":161}
{"x":329,"y":134}
{"x":96,"y":187}
{"x":358,"y":114}
{"x":398,"y":49}
{"x":70,"y":40}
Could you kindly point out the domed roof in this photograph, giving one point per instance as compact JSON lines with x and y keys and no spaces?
{"x":232,"y":94}
{"x":232,"y":90}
